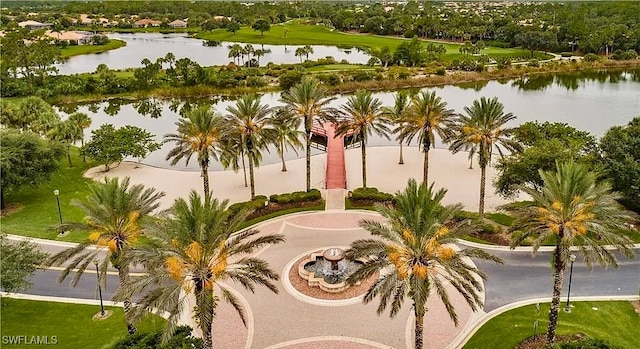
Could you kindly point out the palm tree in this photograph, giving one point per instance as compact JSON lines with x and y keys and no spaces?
{"x":481,"y":130}
{"x":414,"y":255}
{"x":364,"y":117}
{"x":573,"y":209}
{"x":235,"y":51}
{"x":287,"y":132}
{"x":250,"y":119}
{"x":113,"y":211}
{"x":193,"y":247}
{"x":308,"y":100}
{"x":81,"y":121}
{"x":426,"y":116}
{"x":66,"y":133}
{"x":199,"y":132}
{"x":395,"y":114}
{"x":231,"y":150}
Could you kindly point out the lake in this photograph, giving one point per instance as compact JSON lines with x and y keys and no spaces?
{"x":156,"y":45}
{"x":593,"y":102}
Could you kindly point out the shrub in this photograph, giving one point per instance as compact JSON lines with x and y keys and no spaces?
{"x":534,"y":63}
{"x":251,"y":205}
{"x":290,"y":78}
{"x":181,"y":338}
{"x":296,"y":196}
{"x":566,"y":54}
{"x":371,"y":194}
{"x":441,"y":71}
{"x":487,"y":228}
{"x":624,"y":55}
{"x":99,"y":39}
{"x":404,"y":74}
{"x":361,"y":75}
{"x":591,"y":57}
{"x":587,"y":344}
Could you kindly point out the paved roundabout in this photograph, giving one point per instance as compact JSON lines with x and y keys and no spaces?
{"x":291,"y":319}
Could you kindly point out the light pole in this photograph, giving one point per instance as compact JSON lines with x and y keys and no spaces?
{"x":572,"y":258}
{"x":57,"y":194}
{"x":95,"y":262}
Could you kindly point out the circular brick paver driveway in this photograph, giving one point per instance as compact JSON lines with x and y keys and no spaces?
{"x":287,"y":321}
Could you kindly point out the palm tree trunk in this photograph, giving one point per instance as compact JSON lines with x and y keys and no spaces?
{"x":364,"y":163}
{"x":401,"y":161}
{"x":425,"y":171}
{"x":123,"y":275}
{"x":69,"y":155}
{"x":308,"y":159}
{"x":483,"y":183}
{"x":419,"y":329}
{"x":558,"y":277}
{"x":251,"y":178}
{"x":205,"y":178}
{"x":244,"y":170}
{"x":84,"y":157}
{"x":203,"y":319}
{"x":284,"y":165}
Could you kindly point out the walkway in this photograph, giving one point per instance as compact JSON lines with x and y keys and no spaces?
{"x":336,"y":175}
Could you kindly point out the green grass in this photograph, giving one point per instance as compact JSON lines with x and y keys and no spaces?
{"x":337,"y":67}
{"x":318,"y":207}
{"x":38,"y":216}
{"x":301,"y":34}
{"x":500,"y":218}
{"x":71,"y":324}
{"x":616,"y":322}
{"x":77,"y":50}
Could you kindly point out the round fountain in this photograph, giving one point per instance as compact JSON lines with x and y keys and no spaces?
{"x":328,"y":270}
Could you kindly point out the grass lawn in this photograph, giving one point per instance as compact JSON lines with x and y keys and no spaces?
{"x":77,"y":50}
{"x":301,"y":34}
{"x":72,"y":324}
{"x":616,"y":322}
{"x":337,"y":67}
{"x":257,"y":220}
{"x":38,"y":215}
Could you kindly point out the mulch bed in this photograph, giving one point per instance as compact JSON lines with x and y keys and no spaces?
{"x":303,"y":287}
{"x":275,"y":207}
{"x":539,"y":341}
{"x":10,"y":208}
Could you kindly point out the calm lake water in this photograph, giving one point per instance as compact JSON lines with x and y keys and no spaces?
{"x":593,"y":102}
{"x":156,"y":45}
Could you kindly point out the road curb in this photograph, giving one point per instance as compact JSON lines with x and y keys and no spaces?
{"x":525,"y":248}
{"x":472,"y":328}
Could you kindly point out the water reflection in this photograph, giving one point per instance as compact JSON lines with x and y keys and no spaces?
{"x":593,"y":103}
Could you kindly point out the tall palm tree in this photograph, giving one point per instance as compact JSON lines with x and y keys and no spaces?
{"x":364,"y":117}
{"x":250,"y":119}
{"x":395,"y":114}
{"x":232,"y":152}
{"x":309,"y":100}
{"x":113,"y":211}
{"x":413,"y":255}
{"x":81,"y":121}
{"x":199,"y":132}
{"x":573,"y":209}
{"x":193,"y":247}
{"x":66,"y":133}
{"x":481,"y":130}
{"x":287,"y":132}
{"x":426,"y":116}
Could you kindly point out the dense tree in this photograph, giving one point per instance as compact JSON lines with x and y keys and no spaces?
{"x":233,"y":27}
{"x":415,"y":258}
{"x":364,"y":117}
{"x":30,"y":114}
{"x":410,"y":53}
{"x":621,"y":159}
{"x":137,"y":141}
{"x":19,"y":261}
{"x":396,"y":113}
{"x":483,"y":127}
{"x":426,"y":116}
{"x":110,"y":146}
{"x":573,"y":209}
{"x":26,"y":159}
{"x":114,"y":211}
{"x":250,"y":119}
{"x":309,"y":101}
{"x":199,"y":132}
{"x":196,"y":246}
{"x":66,"y":133}
{"x":261,"y":25}
{"x":543,"y":144}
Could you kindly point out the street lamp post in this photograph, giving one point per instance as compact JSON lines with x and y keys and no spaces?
{"x":95,"y":262}
{"x":572,"y":258}
{"x":57,"y":194}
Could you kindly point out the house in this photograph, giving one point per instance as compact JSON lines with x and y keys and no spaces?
{"x":34,"y":25}
{"x":178,"y":24}
{"x":143,"y":23}
{"x":219,"y":18}
{"x":70,"y":36}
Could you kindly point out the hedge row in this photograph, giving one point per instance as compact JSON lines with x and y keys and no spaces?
{"x":252,"y":205}
{"x":296,"y":196}
{"x":372,"y":194}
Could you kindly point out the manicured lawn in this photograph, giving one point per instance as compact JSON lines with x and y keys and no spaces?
{"x":77,"y":50}
{"x":71,"y":324}
{"x":616,"y":322}
{"x":300,"y":34}
{"x":39,"y":213}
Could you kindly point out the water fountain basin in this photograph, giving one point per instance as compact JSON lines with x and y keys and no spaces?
{"x":328,"y":270}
